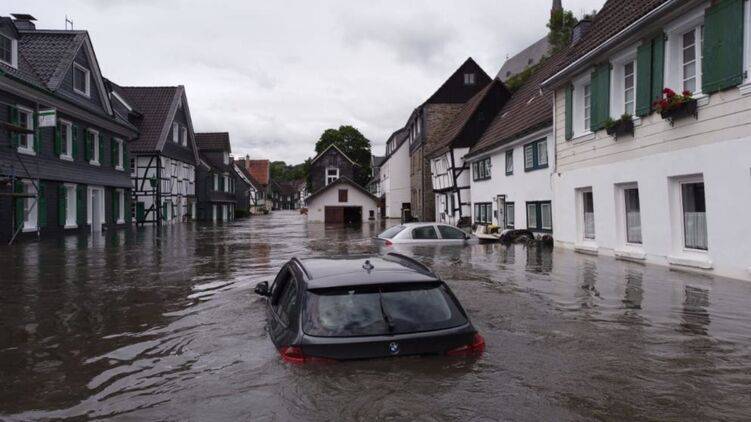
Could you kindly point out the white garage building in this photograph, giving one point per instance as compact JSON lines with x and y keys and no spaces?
{"x":342,"y":202}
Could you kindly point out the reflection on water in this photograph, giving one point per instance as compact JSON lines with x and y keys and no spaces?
{"x":163,"y":325}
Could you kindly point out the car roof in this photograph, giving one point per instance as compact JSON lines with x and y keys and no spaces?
{"x":364,"y":270}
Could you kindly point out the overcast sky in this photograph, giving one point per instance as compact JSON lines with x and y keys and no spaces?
{"x":275,"y":74}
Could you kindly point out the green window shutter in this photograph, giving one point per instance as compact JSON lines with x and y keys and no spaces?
{"x":89,"y":145}
{"x":644,"y":79}
{"x":74,"y":153}
{"x":42,"y":206}
{"x":722,"y":66}
{"x":600,"y":97}
{"x":569,"y":112}
{"x":658,"y":66}
{"x":37,"y":137}
{"x":57,"y":143}
{"x":62,"y":205}
{"x":81,"y":205}
{"x":19,"y":202}
{"x":102,"y":155}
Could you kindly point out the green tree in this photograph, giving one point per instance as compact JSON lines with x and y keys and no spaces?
{"x":560,"y":25}
{"x":354,"y":144}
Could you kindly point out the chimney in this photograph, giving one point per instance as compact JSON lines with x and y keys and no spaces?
{"x":23,"y":21}
{"x":580,"y":30}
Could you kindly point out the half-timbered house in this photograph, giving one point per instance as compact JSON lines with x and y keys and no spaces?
{"x":164,"y":156}
{"x":63,"y":151}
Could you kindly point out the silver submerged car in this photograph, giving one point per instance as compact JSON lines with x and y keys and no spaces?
{"x":418,"y":233}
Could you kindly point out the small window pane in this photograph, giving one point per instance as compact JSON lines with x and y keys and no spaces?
{"x":529,"y":160}
{"x":509,"y":162}
{"x":6,"y":49}
{"x":589,"y":215}
{"x":510,"y":215}
{"x":633,"y":215}
{"x":546,"y":216}
{"x":532,"y":216}
{"x":542,"y":153}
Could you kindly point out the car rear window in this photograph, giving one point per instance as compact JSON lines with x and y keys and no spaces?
{"x":366,"y":311}
{"x":390,"y":233}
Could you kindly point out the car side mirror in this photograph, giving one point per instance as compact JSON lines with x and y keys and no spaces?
{"x":262,"y":289}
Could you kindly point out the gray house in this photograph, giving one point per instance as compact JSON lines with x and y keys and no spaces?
{"x":214,"y":182}
{"x":330,"y":165}
{"x":63,"y":151}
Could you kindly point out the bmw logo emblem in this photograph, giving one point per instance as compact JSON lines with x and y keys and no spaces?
{"x":394,"y":348}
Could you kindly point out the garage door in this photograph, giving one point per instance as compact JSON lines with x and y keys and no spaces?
{"x":339,"y":215}
{"x":334,"y":215}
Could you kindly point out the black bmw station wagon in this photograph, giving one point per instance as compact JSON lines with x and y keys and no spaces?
{"x":325,"y":309}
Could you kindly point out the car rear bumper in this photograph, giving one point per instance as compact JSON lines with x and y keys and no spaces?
{"x":423,"y":343}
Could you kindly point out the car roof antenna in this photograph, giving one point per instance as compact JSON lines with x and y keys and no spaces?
{"x":367,"y":266}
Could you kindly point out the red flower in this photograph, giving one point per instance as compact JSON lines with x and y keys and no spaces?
{"x":669,"y":92}
{"x":664,"y":103}
{"x":686,"y":93}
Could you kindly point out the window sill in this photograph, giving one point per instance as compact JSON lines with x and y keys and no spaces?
{"x":583,"y":137}
{"x":120,"y":222}
{"x":586,"y":247}
{"x":94,"y":163}
{"x":29,"y":229}
{"x":120,"y":168}
{"x":692,"y":260}
{"x":70,"y":226}
{"x":630,"y":253}
{"x":27,"y":151}
{"x":531,"y":169}
{"x":66,"y":157}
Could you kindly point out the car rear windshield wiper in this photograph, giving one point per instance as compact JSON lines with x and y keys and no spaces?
{"x":385,"y":314}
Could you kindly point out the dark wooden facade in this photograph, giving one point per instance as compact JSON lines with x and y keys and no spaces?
{"x":331,"y":158}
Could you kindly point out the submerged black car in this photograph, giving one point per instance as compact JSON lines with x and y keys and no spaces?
{"x":364,"y":307}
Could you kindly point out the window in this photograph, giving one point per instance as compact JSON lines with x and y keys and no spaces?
{"x":119,"y":211}
{"x":509,"y":162}
{"x":216,"y":182}
{"x":185,"y":136}
{"x":26,"y":121}
{"x":332,"y":174}
{"x":342,"y":195}
{"x":633,"y":215}
{"x":469,"y":79}
{"x":118,"y":154}
{"x":691,"y":54}
{"x":69,"y":212}
{"x":424,"y":233}
{"x":66,"y":139}
{"x":536,"y":155}
{"x":448,"y":232}
{"x":588,"y":210}
{"x":484,"y":213}
{"x":587,"y":107}
{"x":93,"y":146}
{"x":694,"y":216}
{"x":539,"y":216}
{"x":81,"y":80}
{"x":8,"y":50}
{"x":30,"y":209}
{"x":510,"y":210}
{"x":175,"y":132}
{"x":629,"y":90}
{"x":481,"y":169}
{"x":225,"y":158}
{"x":286,"y":303}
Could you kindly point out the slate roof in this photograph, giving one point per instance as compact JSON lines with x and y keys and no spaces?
{"x":454,"y":126}
{"x":528,"y":110}
{"x":530,"y":56}
{"x":50,"y":53}
{"x":213,"y":141}
{"x":614,"y":17}
{"x":155,"y":104}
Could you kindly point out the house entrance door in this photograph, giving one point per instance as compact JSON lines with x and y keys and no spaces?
{"x":501,"y":213}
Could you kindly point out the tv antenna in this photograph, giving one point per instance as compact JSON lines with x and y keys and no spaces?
{"x":68,"y":21}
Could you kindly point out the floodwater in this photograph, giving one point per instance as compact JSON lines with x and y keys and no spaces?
{"x":164,"y":326}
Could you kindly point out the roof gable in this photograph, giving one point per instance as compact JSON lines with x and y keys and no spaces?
{"x":337,"y":182}
{"x":338,"y":150}
{"x":454,"y":90}
{"x":465,"y":129}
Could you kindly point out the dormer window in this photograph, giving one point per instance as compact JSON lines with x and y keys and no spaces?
{"x":469,"y":79}
{"x":332,"y":174}
{"x":8,"y":51}
{"x":81,"y":80}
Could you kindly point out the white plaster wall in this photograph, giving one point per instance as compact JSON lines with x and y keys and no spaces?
{"x":395,"y":181}
{"x":355,"y":198}
{"x":520,"y":186}
{"x":726,"y":169}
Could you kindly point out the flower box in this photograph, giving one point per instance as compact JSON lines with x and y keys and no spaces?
{"x":687,"y":108}
{"x":621,"y":127}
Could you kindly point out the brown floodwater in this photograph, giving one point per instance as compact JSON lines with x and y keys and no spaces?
{"x":163,"y":325}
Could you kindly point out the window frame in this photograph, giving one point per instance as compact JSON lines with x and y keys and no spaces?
{"x":95,"y":153}
{"x":327,"y":176}
{"x":120,"y":155}
{"x":13,"y":52}
{"x":175,"y":133}
{"x":539,"y":225}
{"x":184,"y":134}
{"x":583,"y":235}
{"x":481,"y":170}
{"x":431,"y":226}
{"x":67,"y":126}
{"x":512,"y":223}
{"x":483,"y":213}
{"x":534,"y":146}
{"x":580,"y":104}
{"x":28,"y":146}
{"x":470,"y":78}
{"x":681,"y":184}
{"x":343,"y":195}
{"x":87,"y":81}
{"x":509,"y":162}
{"x":674,"y":31}
{"x":618,"y":82}
{"x":71,"y":210}
{"x":30,"y":207}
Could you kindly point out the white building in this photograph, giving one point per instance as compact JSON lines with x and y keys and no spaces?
{"x":395,"y":178}
{"x":342,"y":201}
{"x":674,"y":192}
{"x":450,"y":174}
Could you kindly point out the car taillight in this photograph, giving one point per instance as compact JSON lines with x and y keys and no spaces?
{"x":475,"y":348}
{"x":388,"y":243}
{"x":294,"y":355}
